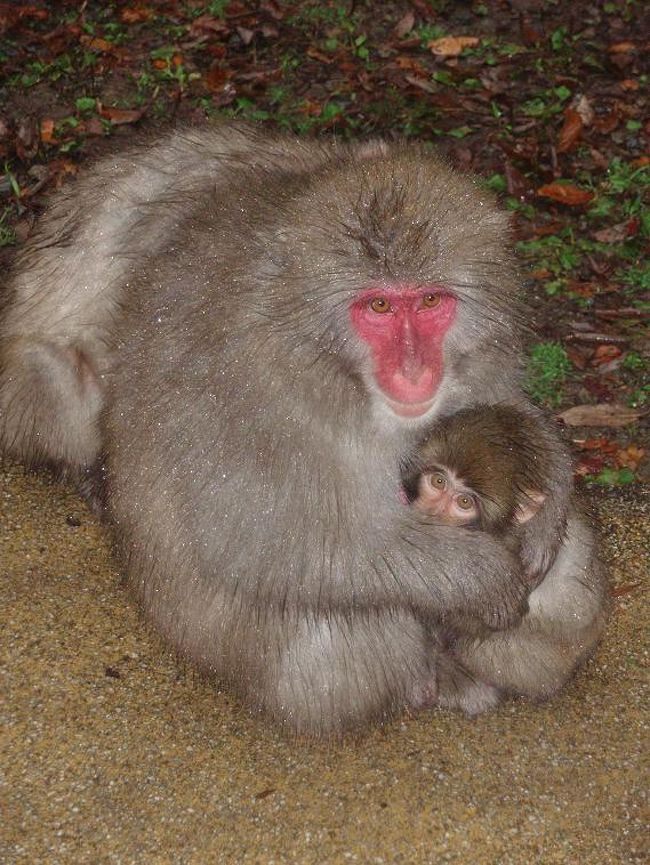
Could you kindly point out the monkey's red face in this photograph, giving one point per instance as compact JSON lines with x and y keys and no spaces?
{"x":405,"y":329}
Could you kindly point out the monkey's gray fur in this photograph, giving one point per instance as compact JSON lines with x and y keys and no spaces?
{"x":194,"y":295}
{"x":503,"y":455}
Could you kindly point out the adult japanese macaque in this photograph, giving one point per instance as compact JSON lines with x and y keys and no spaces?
{"x":486,"y":468}
{"x":265,"y":326}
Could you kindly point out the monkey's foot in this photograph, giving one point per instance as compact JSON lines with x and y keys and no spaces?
{"x":458,"y":689}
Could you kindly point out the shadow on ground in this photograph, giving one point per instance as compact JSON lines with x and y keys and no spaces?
{"x":115,"y":755}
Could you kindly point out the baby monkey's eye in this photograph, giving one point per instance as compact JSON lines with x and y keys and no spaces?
{"x":438,"y":481}
{"x":465,"y":502}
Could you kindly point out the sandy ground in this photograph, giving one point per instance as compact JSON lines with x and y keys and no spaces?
{"x":113,"y":754}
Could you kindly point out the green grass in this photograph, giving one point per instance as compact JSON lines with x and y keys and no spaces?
{"x":547,"y":371}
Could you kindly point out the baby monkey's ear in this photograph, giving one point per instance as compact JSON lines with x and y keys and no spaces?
{"x":528,"y":507}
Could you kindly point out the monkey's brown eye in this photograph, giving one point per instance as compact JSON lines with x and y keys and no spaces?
{"x":429,"y":301}
{"x":438,"y":481}
{"x":379,"y":305}
{"x":464,"y":502}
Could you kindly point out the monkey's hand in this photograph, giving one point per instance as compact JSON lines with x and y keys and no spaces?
{"x":540,"y":540}
{"x":466,"y":579}
{"x":495,"y":589}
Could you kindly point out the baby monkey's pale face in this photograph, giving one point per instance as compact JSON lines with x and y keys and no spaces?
{"x":444,"y":495}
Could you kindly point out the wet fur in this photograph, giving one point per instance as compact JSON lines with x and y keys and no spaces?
{"x":503,"y":454}
{"x":184,"y":311}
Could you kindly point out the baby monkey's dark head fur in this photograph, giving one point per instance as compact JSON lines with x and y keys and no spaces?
{"x":497,"y":453}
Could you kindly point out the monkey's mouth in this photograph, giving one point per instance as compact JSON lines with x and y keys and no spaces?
{"x":409,"y":409}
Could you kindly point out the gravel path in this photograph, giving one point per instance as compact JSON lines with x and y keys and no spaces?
{"x":112,"y":753}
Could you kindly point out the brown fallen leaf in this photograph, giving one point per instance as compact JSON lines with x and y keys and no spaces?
{"x":47,"y":130}
{"x":582,"y":289}
{"x":600,"y":160}
{"x":245,"y":35}
{"x":617,"y":233}
{"x":11,"y":13}
{"x":136,"y":14}
{"x":631,"y":457}
{"x":421,"y":83}
{"x":570,"y":132}
{"x":119,"y":116}
{"x":609,"y":414}
{"x":565,"y":193}
{"x":604,"y":354}
{"x":27,"y":137}
{"x":274,"y":9}
{"x":4,"y":139}
{"x":94,"y":126}
{"x":545,"y":230}
{"x":94,"y":43}
{"x":601,"y":444}
{"x":451,"y":46}
{"x":516,"y":181}
{"x":403,"y":61}
{"x":405,"y":24}
{"x":578,"y":356}
{"x":217,"y":77}
{"x":310,"y":108}
{"x":584,"y":108}
{"x":315,"y":54}
{"x":207,"y":24}
{"x":622,"y":48}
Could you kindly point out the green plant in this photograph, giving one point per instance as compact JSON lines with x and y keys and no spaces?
{"x":7,"y":234}
{"x":557,"y":253}
{"x":497,"y":183}
{"x":12,"y":180}
{"x":637,"y":279}
{"x":85,"y":104}
{"x":215,"y":8}
{"x":633,"y":360}
{"x":609,"y":476}
{"x":640,"y":396}
{"x":428,"y":32}
{"x":547,"y":371}
{"x":547,"y":104}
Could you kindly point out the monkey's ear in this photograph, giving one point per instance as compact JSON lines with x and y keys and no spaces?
{"x":527,"y":508}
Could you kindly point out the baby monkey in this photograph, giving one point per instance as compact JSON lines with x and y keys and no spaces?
{"x":483,"y":468}
{"x":487,"y":468}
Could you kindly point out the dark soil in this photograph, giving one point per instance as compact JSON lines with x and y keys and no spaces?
{"x":546,"y":100}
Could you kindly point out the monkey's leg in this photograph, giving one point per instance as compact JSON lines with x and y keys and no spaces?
{"x":458,"y":688}
{"x":566,"y":618}
{"x":50,"y":398}
{"x":338,"y":672}
{"x":318,"y":674}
